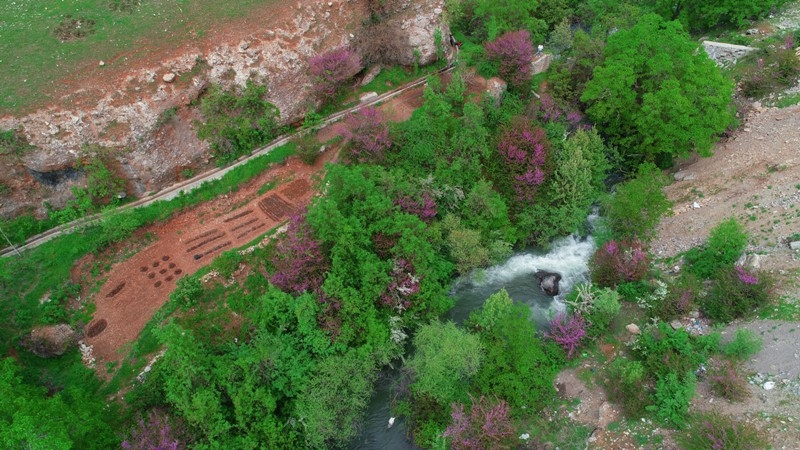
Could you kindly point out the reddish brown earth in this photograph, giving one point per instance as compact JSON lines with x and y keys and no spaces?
{"x":137,"y":287}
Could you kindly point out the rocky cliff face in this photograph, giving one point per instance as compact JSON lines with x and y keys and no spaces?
{"x":150,"y":147}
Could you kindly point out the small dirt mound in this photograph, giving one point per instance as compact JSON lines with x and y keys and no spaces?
{"x":95,"y":328}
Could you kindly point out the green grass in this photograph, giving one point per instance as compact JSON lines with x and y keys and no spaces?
{"x":33,"y":59}
{"x":392,"y":78}
{"x":785,"y":102}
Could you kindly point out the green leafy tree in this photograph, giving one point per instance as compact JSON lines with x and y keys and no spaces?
{"x":517,"y":366}
{"x":657,"y":95}
{"x":32,"y":418}
{"x":704,"y":14}
{"x":332,"y":404}
{"x":445,"y":359}
{"x":637,"y":205}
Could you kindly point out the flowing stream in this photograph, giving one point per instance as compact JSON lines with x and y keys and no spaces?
{"x":567,"y":256}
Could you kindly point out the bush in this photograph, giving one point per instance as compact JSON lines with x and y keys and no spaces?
{"x":619,"y":262}
{"x":599,"y":306}
{"x":726,"y":380}
{"x":518,"y":366}
{"x":737,"y":293}
{"x":445,"y":359}
{"x":514,"y":53}
{"x":715,"y":431}
{"x":488,"y":425}
{"x":726,"y":242}
{"x":368,"y":135}
{"x":671,"y":399}
{"x":627,"y":385}
{"x":635,"y":209}
{"x":237,"y":123}
{"x":681,"y":298}
{"x":567,"y":332}
{"x":653,"y":77}
{"x":298,"y":260}
{"x":187,"y":291}
{"x":155,"y":433}
{"x":524,"y":151}
{"x":744,"y":344}
{"x":663,"y":350}
{"x":332,"y":69}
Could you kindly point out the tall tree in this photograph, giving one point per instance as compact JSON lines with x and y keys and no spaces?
{"x":657,"y":95}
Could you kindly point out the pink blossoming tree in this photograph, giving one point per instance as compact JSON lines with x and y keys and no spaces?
{"x":514,"y":52}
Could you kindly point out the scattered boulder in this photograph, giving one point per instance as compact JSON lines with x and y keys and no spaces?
{"x":168,"y":77}
{"x":633,"y":329}
{"x":51,"y":341}
{"x":548,"y":282}
{"x":496,"y":88}
{"x":684,"y":176}
{"x":371,"y":74}
{"x":794,"y":245}
{"x":541,"y":62}
{"x":367,"y":96}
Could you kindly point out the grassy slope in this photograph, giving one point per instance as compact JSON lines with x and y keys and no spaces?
{"x":32,"y":59}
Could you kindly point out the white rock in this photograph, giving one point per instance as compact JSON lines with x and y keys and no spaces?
{"x":794,"y":245}
{"x":101,"y":63}
{"x":696,"y":205}
{"x":391,"y":422}
{"x":525,"y":436}
{"x":168,"y":77}
{"x":769,"y":385}
{"x":367,"y":96}
{"x":633,"y":328}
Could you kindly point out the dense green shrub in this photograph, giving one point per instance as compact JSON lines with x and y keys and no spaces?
{"x":636,"y":207}
{"x":713,"y":430}
{"x":237,"y":122}
{"x":671,"y":399}
{"x":188,"y":290}
{"x":333,"y":403}
{"x":726,"y":242}
{"x":627,"y":385}
{"x":664,"y":350}
{"x":518,"y":366}
{"x":598,"y":306}
{"x":657,"y":95}
{"x":737,"y":293}
{"x":445,"y":360}
{"x":701,"y":15}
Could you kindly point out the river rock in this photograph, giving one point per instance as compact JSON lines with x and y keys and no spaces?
{"x":51,"y":341}
{"x":548,"y":281}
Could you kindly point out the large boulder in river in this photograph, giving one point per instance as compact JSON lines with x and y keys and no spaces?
{"x":548,"y":281}
{"x":51,"y":341}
